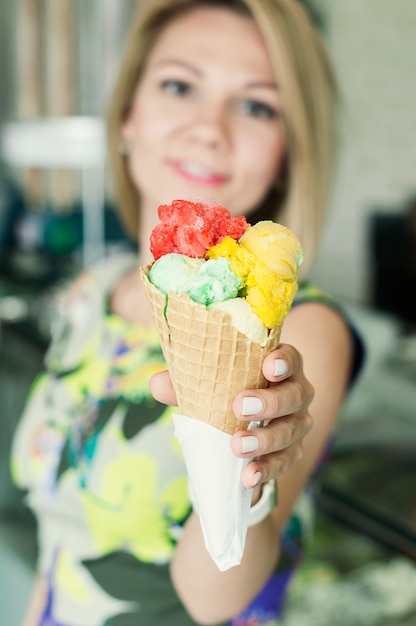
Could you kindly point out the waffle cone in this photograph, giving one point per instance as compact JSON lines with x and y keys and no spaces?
{"x":209,"y":360}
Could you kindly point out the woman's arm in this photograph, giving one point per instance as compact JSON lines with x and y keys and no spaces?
{"x":285,"y":451}
{"x":326,"y":344}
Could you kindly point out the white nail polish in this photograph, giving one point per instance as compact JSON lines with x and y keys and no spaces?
{"x":280,"y":367}
{"x":256,"y":478}
{"x":251,"y":406}
{"x":249,"y":444}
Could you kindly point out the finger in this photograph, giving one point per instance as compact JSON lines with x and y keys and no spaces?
{"x":287,"y":397}
{"x":271,"y":466}
{"x":161,"y":388}
{"x":277,"y":436}
{"x":282,"y":363}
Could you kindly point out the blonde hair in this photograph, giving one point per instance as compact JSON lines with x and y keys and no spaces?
{"x":306,"y":81}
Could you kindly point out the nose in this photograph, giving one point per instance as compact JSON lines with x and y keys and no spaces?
{"x":210,"y":125}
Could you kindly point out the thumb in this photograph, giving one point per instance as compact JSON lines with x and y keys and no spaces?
{"x":161,"y":388}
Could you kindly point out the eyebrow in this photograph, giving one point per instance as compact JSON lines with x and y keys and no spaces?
{"x":194,"y":70}
{"x":263,"y":85}
{"x":181,"y":63}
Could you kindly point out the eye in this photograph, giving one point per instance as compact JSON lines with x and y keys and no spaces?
{"x":176,"y":87}
{"x":254,"y":108}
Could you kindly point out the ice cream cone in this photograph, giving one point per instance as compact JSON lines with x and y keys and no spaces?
{"x":209,"y":360}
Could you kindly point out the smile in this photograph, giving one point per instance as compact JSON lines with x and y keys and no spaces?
{"x":194,"y":172}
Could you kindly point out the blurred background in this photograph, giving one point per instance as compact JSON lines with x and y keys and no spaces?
{"x":58,"y":60}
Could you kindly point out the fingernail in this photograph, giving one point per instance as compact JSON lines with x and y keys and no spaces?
{"x":256,"y":478}
{"x":280,"y":367}
{"x":251,"y":406}
{"x":249,"y":444}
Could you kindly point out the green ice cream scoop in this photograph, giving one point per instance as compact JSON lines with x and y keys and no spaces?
{"x":214,"y":282}
{"x":204,"y":281}
{"x":173,"y":272}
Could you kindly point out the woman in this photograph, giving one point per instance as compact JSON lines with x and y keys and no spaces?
{"x":233,"y":100}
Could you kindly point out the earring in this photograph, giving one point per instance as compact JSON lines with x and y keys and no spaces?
{"x":124,"y":147}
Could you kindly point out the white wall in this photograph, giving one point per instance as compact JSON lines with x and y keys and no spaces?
{"x":373,"y":45}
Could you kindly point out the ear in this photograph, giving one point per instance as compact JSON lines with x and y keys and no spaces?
{"x":127,"y":129}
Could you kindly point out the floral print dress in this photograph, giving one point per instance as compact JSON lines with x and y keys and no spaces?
{"x":100,"y":467}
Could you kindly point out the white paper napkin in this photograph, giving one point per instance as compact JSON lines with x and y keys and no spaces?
{"x":216,"y":491}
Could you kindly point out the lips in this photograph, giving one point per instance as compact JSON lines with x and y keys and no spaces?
{"x":197,"y":173}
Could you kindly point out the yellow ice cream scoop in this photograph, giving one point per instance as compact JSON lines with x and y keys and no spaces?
{"x":269,"y":296}
{"x":276,"y":246}
{"x":266,"y":258}
{"x":241,"y":259}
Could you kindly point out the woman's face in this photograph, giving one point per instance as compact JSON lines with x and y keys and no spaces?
{"x":205,"y":120}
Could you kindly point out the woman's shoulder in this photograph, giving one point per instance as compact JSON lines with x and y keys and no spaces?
{"x":102,"y":275}
{"x":82,"y":310}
